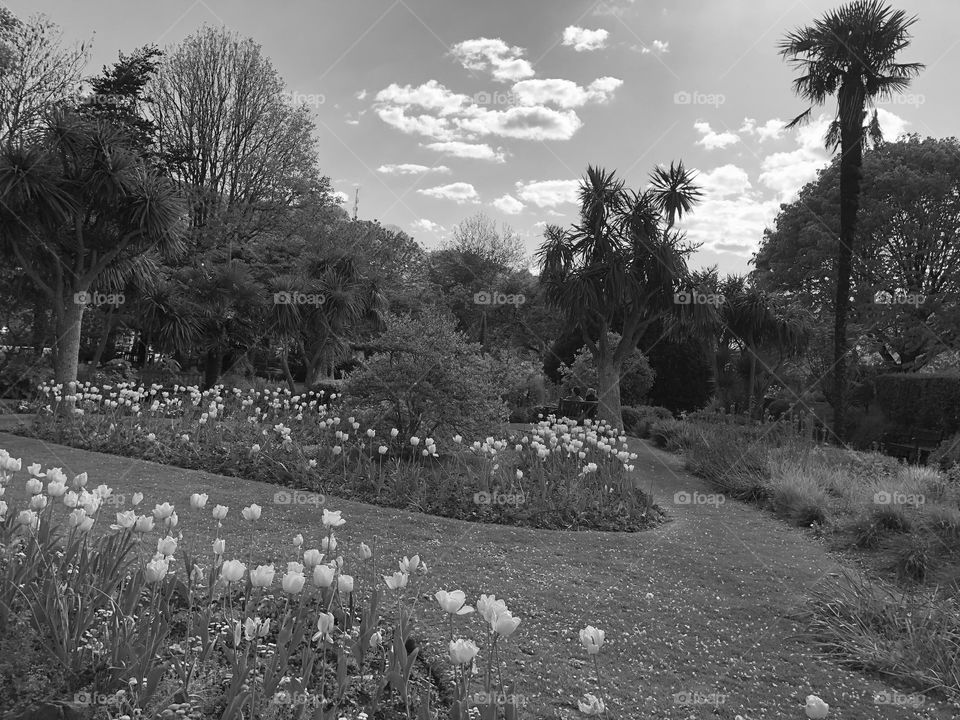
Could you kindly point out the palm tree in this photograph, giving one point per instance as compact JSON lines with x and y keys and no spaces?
{"x":77,"y":199}
{"x":850,"y":52}
{"x":617,"y":270}
{"x":673,"y":191}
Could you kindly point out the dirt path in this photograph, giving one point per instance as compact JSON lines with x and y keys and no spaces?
{"x":722,"y":578}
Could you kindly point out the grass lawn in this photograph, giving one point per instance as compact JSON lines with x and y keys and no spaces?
{"x":697,"y":606}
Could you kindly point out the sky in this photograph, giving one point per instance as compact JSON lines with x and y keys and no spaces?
{"x":438,"y":109}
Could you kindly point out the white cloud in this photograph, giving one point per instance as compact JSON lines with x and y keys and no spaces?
{"x":504,"y":62}
{"x":786,"y":172}
{"x":771,"y":130}
{"x":467,"y":150}
{"x":341,"y":196}
{"x":459,"y":192}
{"x":434,"y":127}
{"x":524,"y":123}
{"x":508,"y":204}
{"x":713,"y":140}
{"x":658,"y":47}
{"x":564,"y":93}
{"x":549,"y":193}
{"x":892,"y":125}
{"x":352,"y":122}
{"x":361,"y":95}
{"x":428,"y":226}
{"x":430,"y":95}
{"x":411,"y":169}
{"x":585,"y":40}
{"x":723,"y":181}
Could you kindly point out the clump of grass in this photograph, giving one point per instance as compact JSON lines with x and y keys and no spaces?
{"x":733,"y":465}
{"x":892,"y":517}
{"x":868,"y":625}
{"x":867,"y":533}
{"x":796,"y":494}
{"x":673,"y":435}
{"x":914,"y":558}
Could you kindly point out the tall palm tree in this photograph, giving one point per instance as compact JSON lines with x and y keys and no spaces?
{"x":673,"y":191}
{"x":76,"y":199}
{"x":616,"y":270}
{"x":850,"y":52}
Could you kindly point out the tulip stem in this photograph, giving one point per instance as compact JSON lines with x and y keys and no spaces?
{"x":596,"y":665}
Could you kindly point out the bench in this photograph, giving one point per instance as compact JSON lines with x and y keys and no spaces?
{"x":913,"y":445}
{"x":577,"y":409}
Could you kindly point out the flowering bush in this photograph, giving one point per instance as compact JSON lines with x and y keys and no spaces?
{"x":137,"y":616}
{"x":557,"y":475}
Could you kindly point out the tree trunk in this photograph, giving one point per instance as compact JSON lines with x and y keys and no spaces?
{"x":66,"y":349}
{"x":101,"y":346}
{"x":751,"y":382}
{"x":213,"y":369}
{"x":851,"y":159}
{"x":608,"y":378}
{"x":285,"y":366}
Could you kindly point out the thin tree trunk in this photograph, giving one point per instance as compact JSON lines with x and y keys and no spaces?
{"x":608,"y":378}
{"x":751,"y":382}
{"x":102,"y":344}
{"x":66,"y":350}
{"x":213,"y":369}
{"x":851,"y":159}
{"x":285,"y":366}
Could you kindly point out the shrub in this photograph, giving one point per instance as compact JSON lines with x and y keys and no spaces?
{"x":947,"y":453}
{"x":921,"y":400}
{"x":636,"y":375}
{"x":732,"y":461}
{"x":672,"y":434}
{"x":430,"y":376}
{"x":21,"y":373}
{"x":684,"y":376}
{"x":796,"y":494}
{"x":637,"y":420}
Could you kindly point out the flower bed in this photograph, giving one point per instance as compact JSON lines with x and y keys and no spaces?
{"x":183,"y":631}
{"x":558,"y":475}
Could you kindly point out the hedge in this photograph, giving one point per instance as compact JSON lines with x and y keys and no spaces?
{"x":916,"y":400}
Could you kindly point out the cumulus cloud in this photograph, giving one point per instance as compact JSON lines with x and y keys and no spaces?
{"x":548,"y":193}
{"x":658,"y":47}
{"x":411,"y":169}
{"x":892,"y":125}
{"x":361,"y":95}
{"x":504,"y":62}
{"x":341,"y":196}
{"x":564,"y":93}
{"x":428,"y":226}
{"x":583,"y":40}
{"x":714,"y":140}
{"x":786,"y":172}
{"x":724,"y":181}
{"x":771,"y":130}
{"x":459,"y":192}
{"x":467,"y":150}
{"x":508,"y":204}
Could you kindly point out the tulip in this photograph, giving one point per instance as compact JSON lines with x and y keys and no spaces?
{"x":328,"y":545}
{"x":489,"y":607}
{"x":76,"y":517}
{"x":56,"y":489}
{"x":167,"y":546}
{"x":505,"y":623}
{"x":463,"y":651}
{"x":816,"y":708}
{"x":365,"y":552}
{"x":3,"y":509}
{"x":137,"y":498}
{"x":219,"y":545}
{"x":156,"y":570}
{"x":255,"y":628}
{"x":196,"y":574}
{"x":396,"y":581}
{"x":38,"y":502}
{"x":232,"y":570}
{"x":414,"y":441}
{"x":252,"y":512}
{"x":293,"y":582}
{"x":144,"y":524}
{"x":592,"y":639}
{"x":345,"y":584}
{"x":126,"y":519}
{"x":85,"y":524}
{"x":198,"y":500}
{"x":325,"y":623}
{"x":262,"y":576}
{"x":591,"y":705}
{"x":312,"y":557}
{"x":375,"y":640}
{"x":34,"y":470}
{"x":382,"y":449}
{"x":323,"y":576}
{"x":220,"y":512}
{"x":28,"y":518}
{"x":408,"y":565}
{"x":332,"y":519}
{"x":298,"y":540}
{"x":34,"y":486}
{"x":453,"y":602}
{"x":162,"y":512}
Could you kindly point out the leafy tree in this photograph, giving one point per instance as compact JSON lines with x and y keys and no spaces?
{"x":76,"y":201}
{"x":617,"y":270}
{"x":909,"y":240}
{"x":427,"y":377}
{"x":636,"y":375}
{"x":39,"y":73}
{"x":850,"y":52}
